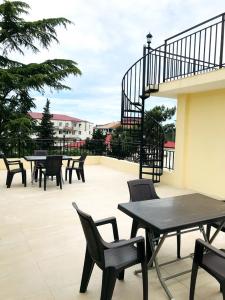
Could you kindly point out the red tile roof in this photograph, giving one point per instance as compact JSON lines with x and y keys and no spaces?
{"x":111,"y":125}
{"x":169,"y":144}
{"x":76,"y":144}
{"x":57,"y":117}
{"x":108,"y":139}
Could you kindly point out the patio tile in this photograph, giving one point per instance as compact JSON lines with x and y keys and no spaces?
{"x":20,"y":280}
{"x":42,"y":244}
{"x":13,"y":253}
{"x":70,"y":292}
{"x":40,"y":296}
{"x":62,"y":271}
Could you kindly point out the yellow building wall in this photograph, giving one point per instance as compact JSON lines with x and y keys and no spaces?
{"x":200,"y":143}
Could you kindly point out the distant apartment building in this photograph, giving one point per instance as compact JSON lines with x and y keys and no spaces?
{"x":68,"y":127}
{"x":107,"y":128}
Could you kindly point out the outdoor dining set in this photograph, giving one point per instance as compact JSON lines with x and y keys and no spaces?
{"x":161,"y":219}
{"x":46,"y":166}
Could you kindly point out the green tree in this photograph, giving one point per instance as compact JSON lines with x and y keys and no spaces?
{"x":19,"y":80}
{"x":97,"y":144}
{"x":122,"y":143}
{"x":21,"y":128}
{"x":153,"y":117}
{"x":170,"y":132}
{"x":46,"y":127}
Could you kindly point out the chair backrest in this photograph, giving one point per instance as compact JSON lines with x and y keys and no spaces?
{"x":53,"y":164}
{"x":41,"y":152}
{"x":142,"y":189}
{"x":81,"y":160}
{"x":2,"y":155}
{"x":94,"y":241}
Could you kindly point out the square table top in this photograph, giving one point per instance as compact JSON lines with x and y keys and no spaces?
{"x":42,"y":158}
{"x":175,"y":213}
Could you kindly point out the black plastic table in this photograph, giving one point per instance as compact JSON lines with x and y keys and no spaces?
{"x":35,"y":158}
{"x":168,"y":215}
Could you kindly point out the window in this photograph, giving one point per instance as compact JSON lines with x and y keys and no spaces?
{"x":60,"y":123}
{"x":79,"y":132}
{"x":79,"y":125}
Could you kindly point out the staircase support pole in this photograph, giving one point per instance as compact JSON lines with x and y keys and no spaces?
{"x":142,"y":111}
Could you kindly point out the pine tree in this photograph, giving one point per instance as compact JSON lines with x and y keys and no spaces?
{"x":18,"y":80}
{"x":159,"y":114}
{"x":46,"y":127}
{"x":97,"y":143}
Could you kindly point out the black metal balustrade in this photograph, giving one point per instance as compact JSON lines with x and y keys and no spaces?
{"x":194,"y":51}
{"x":169,"y":156}
{"x":65,"y":146}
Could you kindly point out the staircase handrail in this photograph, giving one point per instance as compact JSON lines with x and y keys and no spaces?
{"x":195,"y":26}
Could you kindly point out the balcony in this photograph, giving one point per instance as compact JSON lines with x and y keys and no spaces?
{"x":42,"y":245}
{"x":68,"y":128}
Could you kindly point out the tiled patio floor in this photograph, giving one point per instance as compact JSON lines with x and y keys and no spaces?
{"x":42,"y":245}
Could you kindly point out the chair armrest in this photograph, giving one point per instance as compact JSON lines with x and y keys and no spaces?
{"x":201,"y":245}
{"x":110,"y":220}
{"x":14,"y":162}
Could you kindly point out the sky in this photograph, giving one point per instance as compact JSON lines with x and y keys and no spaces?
{"x":106,"y":38}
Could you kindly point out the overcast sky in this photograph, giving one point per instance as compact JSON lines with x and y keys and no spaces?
{"x":106,"y":39}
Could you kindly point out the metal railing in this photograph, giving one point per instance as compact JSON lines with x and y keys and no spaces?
{"x":195,"y":50}
{"x":168,"y":162}
{"x":64,"y":146}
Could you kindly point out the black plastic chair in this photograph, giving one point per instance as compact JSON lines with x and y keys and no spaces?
{"x":112,"y":258}
{"x":12,"y":171}
{"x":143,"y":189}
{"x":212,"y":260}
{"x":72,"y":165}
{"x":38,"y":164}
{"x":52,"y":167}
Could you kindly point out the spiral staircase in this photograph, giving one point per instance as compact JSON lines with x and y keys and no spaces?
{"x":194,"y":51}
{"x":139,"y":82}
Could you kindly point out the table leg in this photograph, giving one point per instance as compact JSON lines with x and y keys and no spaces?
{"x":155,"y":250}
{"x":216,"y":232}
{"x":202,"y":230}
{"x":161,"y":279}
{"x":155,"y":259}
{"x":31,"y":172}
